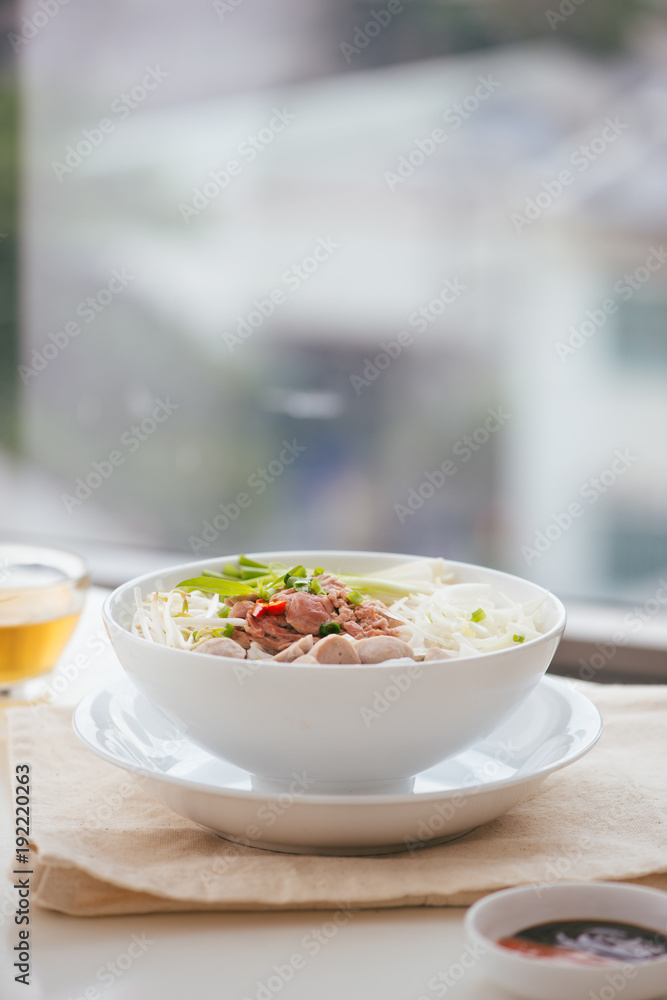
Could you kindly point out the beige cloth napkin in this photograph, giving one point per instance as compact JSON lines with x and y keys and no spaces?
{"x":102,"y":846}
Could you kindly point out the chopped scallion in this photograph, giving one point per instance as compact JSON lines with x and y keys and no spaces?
{"x":479,"y":615}
{"x":228,"y":631}
{"x":354,"y":597}
{"x":245,"y":561}
{"x":298,"y":572}
{"x":518,"y":638}
{"x":329,"y":628}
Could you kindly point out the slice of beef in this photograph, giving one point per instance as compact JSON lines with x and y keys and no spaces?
{"x":241,"y":608}
{"x":335,"y":589}
{"x":270,"y":632}
{"x":372,"y":616}
{"x":306,"y":612}
{"x":347,"y":620}
{"x":251,"y":598}
{"x":241,"y":636}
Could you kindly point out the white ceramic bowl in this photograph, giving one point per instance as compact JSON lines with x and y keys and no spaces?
{"x":504,"y":913}
{"x":280,"y":718}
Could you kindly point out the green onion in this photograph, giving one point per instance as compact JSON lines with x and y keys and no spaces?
{"x":231,"y":570}
{"x":478,"y":616}
{"x":253,"y":574}
{"x":224,"y":612}
{"x":211,"y":585}
{"x":315,"y":587}
{"x":377,"y":586}
{"x":277,"y":569}
{"x":194,"y":636}
{"x":354,"y":597}
{"x":518,"y":638}
{"x":245,"y":561}
{"x":328,"y":628}
{"x":228,"y":631}
{"x":298,"y":571}
{"x":318,"y":571}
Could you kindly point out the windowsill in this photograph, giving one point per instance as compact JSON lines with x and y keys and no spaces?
{"x":612,"y":644}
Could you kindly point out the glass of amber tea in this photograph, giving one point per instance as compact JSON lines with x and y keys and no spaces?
{"x":41,"y":596}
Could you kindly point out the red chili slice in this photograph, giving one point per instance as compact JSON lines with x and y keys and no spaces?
{"x":268,"y":607}
{"x":276,"y":607}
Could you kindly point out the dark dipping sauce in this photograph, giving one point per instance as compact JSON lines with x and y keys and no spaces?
{"x":588,"y":942}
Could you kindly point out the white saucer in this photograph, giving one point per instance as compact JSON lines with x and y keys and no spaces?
{"x":553,"y":728}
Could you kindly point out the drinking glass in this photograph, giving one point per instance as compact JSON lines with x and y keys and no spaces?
{"x":42,"y":591}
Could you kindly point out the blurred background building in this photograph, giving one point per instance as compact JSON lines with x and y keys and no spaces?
{"x":393,"y":235}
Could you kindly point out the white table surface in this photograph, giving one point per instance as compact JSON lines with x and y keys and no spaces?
{"x":399,"y":954}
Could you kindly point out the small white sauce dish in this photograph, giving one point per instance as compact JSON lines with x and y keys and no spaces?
{"x":503,"y":914}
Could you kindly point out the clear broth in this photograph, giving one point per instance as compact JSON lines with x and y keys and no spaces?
{"x":32,"y":649}
{"x":39,"y":609}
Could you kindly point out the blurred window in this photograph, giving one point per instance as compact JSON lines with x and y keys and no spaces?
{"x":338,"y":274}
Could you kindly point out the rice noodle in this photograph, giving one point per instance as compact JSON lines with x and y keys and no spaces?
{"x":444,"y":618}
{"x":422,"y":598}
